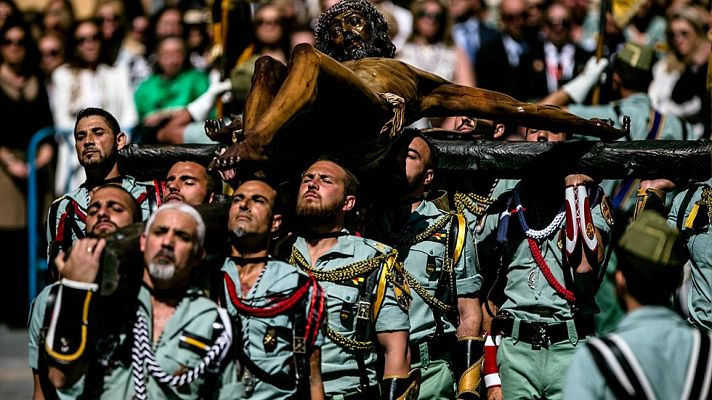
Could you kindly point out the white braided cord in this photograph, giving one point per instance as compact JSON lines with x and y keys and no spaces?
{"x":142,"y":354}
{"x":546,"y":232}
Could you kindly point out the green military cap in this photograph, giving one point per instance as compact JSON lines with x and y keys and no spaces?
{"x":652,"y":240}
{"x":637,"y":56}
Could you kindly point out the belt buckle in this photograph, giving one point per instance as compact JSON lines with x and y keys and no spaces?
{"x":249,"y":381}
{"x":540,"y":337}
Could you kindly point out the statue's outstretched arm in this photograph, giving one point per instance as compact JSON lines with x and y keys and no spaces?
{"x":450,"y":99}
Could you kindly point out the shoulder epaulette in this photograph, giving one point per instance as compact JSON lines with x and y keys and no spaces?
{"x":378,"y":246}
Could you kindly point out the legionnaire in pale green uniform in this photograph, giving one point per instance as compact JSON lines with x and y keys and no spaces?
{"x":98,"y":140}
{"x":437,"y":251}
{"x":278,"y":308}
{"x":367,"y":297}
{"x":631,"y":76}
{"x":691,"y":213}
{"x":111,"y":207}
{"x":177,"y":337}
{"x":550,"y":265}
{"x":474,"y":207}
{"x":653,"y":353}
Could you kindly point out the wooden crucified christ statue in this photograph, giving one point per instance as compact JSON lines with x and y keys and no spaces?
{"x":349,"y":97}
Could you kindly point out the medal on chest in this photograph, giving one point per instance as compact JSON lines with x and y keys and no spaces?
{"x":532,"y":278}
{"x":269,"y":341}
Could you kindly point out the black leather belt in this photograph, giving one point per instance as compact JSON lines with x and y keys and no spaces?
{"x":541,"y":334}
{"x":438,"y":348}
{"x":371,"y":393}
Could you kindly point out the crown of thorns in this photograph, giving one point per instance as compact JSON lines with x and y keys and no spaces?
{"x":379,"y":26}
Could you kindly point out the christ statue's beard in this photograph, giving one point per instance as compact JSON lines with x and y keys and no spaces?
{"x":364,"y":49}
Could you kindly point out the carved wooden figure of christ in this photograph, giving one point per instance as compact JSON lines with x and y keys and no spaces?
{"x":354,"y":99}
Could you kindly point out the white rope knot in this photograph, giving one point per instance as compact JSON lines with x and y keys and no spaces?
{"x":394,"y":125}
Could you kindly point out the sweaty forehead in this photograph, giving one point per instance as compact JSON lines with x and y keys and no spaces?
{"x":254,"y":187}
{"x":92,"y":122}
{"x":187,"y":168}
{"x":420,"y":146}
{"x":326,"y":168}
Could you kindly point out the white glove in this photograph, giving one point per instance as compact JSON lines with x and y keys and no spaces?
{"x":200,"y":107}
{"x":579,"y":87}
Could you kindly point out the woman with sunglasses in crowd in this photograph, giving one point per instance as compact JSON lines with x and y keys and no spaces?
{"x":430,"y":46}
{"x":270,"y":38}
{"x":25,"y":109}
{"x":679,"y":79}
{"x":51,"y":48}
{"x":86,"y":81}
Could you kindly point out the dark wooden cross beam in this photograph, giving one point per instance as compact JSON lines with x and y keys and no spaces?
{"x":616,"y":160}
{"x":638,"y":159}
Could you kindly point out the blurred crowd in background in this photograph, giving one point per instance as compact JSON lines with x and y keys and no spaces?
{"x":146,"y":61}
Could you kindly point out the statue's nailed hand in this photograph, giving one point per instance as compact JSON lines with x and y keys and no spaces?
{"x":224,"y":164}
{"x":217,"y":131}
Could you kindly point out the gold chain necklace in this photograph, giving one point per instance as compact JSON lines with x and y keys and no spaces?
{"x":340,"y":274}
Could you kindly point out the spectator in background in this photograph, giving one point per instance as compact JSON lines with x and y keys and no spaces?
{"x":505,"y":65}
{"x":270,"y":38}
{"x":578,"y":10}
{"x":132,"y":54}
{"x":431,"y":49}
{"x":25,"y":110}
{"x":168,"y":21}
{"x":86,"y":81}
{"x":197,"y":38}
{"x":51,"y":49}
{"x":110,"y":14}
{"x":8,"y":9}
{"x":172,"y":86}
{"x":647,"y":27}
{"x":430,"y":46}
{"x":470,"y":31}
{"x":536,"y":16}
{"x":403,"y":17}
{"x":301,"y":34}
{"x":678,"y":86}
{"x":564,"y":59}
{"x":58,"y":17}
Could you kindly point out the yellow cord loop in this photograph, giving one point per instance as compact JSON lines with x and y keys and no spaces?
{"x":82,"y":345}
